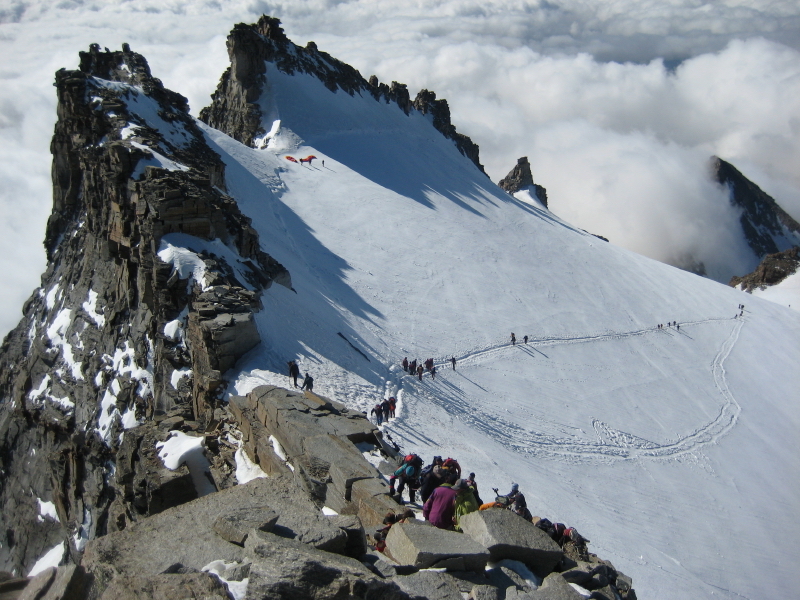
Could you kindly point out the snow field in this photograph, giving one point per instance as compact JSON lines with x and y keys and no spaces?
{"x":659,"y":445}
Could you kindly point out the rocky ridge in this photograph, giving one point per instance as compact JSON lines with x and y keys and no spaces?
{"x":767,"y":228}
{"x":772,"y":270}
{"x":253,"y":49}
{"x":520,"y":178}
{"x":268,"y":538}
{"x":113,"y":325}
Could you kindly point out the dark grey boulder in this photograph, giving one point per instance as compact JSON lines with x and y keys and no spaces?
{"x":555,"y":587}
{"x":185,"y":534}
{"x":507,"y":535}
{"x":426,"y":546}
{"x":38,"y":585}
{"x":234,"y":526}
{"x":485,"y":592}
{"x":429,"y":585}
{"x":166,"y":587}
{"x":356,"y":545}
{"x":285,"y":569}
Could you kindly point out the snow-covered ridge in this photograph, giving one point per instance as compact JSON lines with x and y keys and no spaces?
{"x":261,"y":50}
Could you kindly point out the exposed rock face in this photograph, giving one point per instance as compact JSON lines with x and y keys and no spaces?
{"x":103,"y":338}
{"x":766,"y":226}
{"x":253,"y":49}
{"x":772,"y":270}
{"x":520,"y":178}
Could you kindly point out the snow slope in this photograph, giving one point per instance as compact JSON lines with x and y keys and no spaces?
{"x":673,"y":451}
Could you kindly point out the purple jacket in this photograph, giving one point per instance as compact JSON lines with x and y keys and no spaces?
{"x":440,"y":507}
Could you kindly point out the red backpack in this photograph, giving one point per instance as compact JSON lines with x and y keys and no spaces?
{"x":452,"y":464}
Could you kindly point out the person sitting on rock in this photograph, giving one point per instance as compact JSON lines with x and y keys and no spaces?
{"x":380,"y":535}
{"x":518,"y":504}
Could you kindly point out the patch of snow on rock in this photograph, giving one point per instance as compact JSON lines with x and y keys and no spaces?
{"x":246,"y":469}
{"x":47,"y":509}
{"x":184,"y":449}
{"x":51,"y":558}
{"x":90,"y":306}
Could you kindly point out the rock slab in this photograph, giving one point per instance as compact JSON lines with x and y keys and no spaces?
{"x":507,"y":535}
{"x":425,"y":546}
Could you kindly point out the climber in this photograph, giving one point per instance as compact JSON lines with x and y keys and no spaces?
{"x":308,"y":383}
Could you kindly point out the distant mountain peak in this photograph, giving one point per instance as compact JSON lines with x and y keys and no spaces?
{"x":235,"y":109}
{"x":767,"y":227}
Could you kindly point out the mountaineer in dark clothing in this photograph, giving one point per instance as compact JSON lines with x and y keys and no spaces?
{"x":431,"y":477}
{"x":453,"y":362}
{"x":386,"y":410}
{"x":377,"y":410}
{"x":294,"y":371}
{"x":308,"y":383}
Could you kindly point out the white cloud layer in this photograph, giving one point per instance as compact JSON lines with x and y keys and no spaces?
{"x":618,"y":105}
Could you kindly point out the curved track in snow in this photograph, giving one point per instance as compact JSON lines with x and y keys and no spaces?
{"x":611,"y":443}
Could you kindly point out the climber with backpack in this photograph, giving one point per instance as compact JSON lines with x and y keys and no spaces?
{"x":407,"y":474}
{"x":451,"y":464}
{"x":377,"y":410}
{"x":432,"y":477}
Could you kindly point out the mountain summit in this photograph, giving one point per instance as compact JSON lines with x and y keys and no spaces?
{"x":560,"y":363}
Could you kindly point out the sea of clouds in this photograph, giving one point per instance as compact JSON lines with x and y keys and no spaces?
{"x":618,"y":105}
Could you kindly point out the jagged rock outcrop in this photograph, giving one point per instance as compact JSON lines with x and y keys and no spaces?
{"x":116,"y":336}
{"x":426,"y":103}
{"x":766,"y":226}
{"x":253,"y":49}
{"x":772,"y":270}
{"x":520,"y":178}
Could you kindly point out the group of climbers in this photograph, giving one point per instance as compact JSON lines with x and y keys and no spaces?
{"x":294,"y":373}
{"x":417,"y":368}
{"x":447,"y":496}
{"x":385,"y":410}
